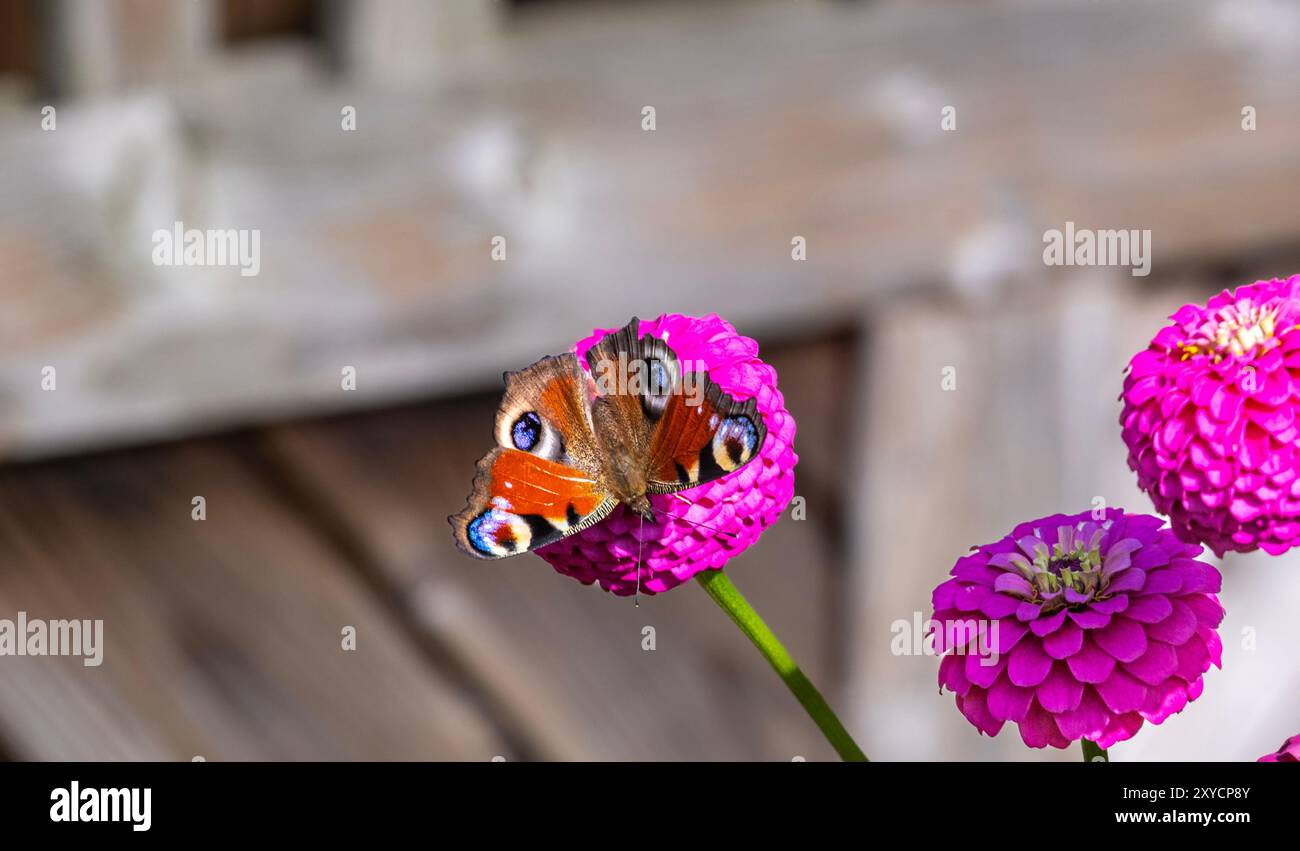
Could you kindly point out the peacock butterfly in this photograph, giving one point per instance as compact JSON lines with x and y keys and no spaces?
{"x":572,"y":443}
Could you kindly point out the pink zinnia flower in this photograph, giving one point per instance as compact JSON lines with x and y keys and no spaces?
{"x":1088,"y":628}
{"x":735,"y":509}
{"x":1289,"y":752}
{"x":1210,"y":419}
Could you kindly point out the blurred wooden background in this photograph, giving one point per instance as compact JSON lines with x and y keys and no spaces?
{"x":482,"y":119}
{"x":223,"y":635}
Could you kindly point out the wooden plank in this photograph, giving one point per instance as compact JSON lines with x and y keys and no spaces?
{"x":222,"y":637}
{"x":774,"y":119}
{"x":565,"y":659}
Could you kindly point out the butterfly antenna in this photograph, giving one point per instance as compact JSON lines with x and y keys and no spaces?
{"x":640,"y":550}
{"x":731,"y":535}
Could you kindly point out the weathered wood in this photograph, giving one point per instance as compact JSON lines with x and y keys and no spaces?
{"x":773,"y":120}
{"x":88,"y":48}
{"x":222,"y":636}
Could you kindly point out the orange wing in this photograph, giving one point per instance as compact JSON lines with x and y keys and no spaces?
{"x":521,"y":501}
{"x":696,"y":443}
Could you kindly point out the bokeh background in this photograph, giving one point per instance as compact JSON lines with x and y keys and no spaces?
{"x":475,"y":119}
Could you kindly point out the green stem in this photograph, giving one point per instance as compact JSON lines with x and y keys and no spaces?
{"x":1092,"y":753}
{"x":731,"y":601}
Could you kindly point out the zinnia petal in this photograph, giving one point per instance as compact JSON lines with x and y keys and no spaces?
{"x":1124,"y":639}
{"x":1029,"y":664}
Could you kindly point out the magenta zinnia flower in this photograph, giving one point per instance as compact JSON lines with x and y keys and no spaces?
{"x":1289,"y":752}
{"x":736,"y":508}
{"x":1210,"y":419}
{"x":1088,"y":628}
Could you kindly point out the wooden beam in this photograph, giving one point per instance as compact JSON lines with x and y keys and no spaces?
{"x":222,"y":637}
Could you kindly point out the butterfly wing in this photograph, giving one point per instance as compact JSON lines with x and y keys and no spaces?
{"x":683,"y":430}
{"x":696,"y":443}
{"x":522,"y":501}
{"x":543,"y":481}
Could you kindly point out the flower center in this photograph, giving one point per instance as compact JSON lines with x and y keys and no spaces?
{"x":1071,"y":573}
{"x":1065,"y":564}
{"x":1236,"y":329}
{"x":1072,"y":564}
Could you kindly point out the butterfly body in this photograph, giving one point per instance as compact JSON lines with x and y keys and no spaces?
{"x":623,"y":474}
{"x":573,"y":444}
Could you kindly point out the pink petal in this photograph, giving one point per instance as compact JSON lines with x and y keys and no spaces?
{"x":1088,"y":619}
{"x":1164,"y":700}
{"x":1166,"y":581}
{"x":997,"y":606}
{"x":1065,"y":642}
{"x":1177,"y":628}
{"x":974,"y":706}
{"x":1111,"y":606}
{"x":1009,"y":702}
{"x":1149,"y":557}
{"x":1059,"y":692}
{"x":1208,"y":612}
{"x":1028,"y":611}
{"x":1029,"y":664}
{"x":952,"y":674}
{"x":1121,"y":692}
{"x":1004,"y":634}
{"x":1254,"y":448}
{"x":1193,"y":659}
{"x":1013,"y":583}
{"x":1130,"y":580}
{"x":1124,"y":639}
{"x":1197,"y":577}
{"x":1121,"y":728}
{"x":1091,"y":664}
{"x":1039,"y":730}
{"x":1156,"y":665}
{"x":1213,"y":646}
{"x":982,"y":674}
{"x":1225,"y":404}
{"x":1049,"y":624}
{"x":1089,"y":719}
{"x":1149,"y":609}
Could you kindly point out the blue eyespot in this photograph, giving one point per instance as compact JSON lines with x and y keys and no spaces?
{"x":738,"y":437}
{"x":493,"y":534}
{"x":481,"y":532}
{"x":526,"y":431}
{"x":660,"y":382}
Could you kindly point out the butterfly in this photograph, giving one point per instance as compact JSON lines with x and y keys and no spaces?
{"x":572,"y":444}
